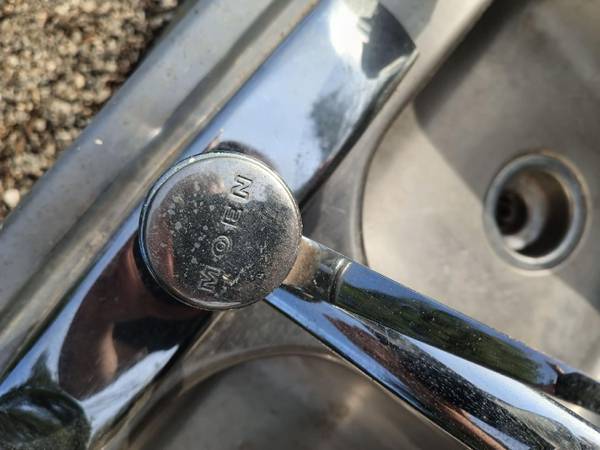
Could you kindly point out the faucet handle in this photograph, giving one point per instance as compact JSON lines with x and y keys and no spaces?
{"x":220,"y":230}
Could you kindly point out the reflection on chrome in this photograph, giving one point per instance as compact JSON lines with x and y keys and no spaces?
{"x":88,"y":372}
{"x":445,"y":364}
{"x":317,"y":99}
{"x":441,"y":362}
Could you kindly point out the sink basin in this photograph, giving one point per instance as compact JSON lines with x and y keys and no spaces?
{"x":524,"y":83}
{"x":304,"y":402}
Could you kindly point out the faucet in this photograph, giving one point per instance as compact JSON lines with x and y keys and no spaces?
{"x":112,"y":336}
{"x":90,"y":367}
{"x":221,"y":230}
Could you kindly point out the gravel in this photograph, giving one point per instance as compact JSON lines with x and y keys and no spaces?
{"x":60,"y":61}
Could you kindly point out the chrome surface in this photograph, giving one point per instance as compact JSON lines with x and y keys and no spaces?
{"x":304,"y":108}
{"x":97,"y":355}
{"x":262,"y":336}
{"x":359,"y":290}
{"x":318,"y":92}
{"x":260,"y":332}
{"x":368,"y":319}
{"x":58,"y":231}
{"x":405,"y":342}
{"x":334,"y":215}
{"x":219,"y":230}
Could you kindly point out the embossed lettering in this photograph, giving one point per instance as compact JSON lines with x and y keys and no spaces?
{"x":240,"y":189}
{"x":231,"y":215}
{"x":208,"y":279}
{"x":221,"y":245}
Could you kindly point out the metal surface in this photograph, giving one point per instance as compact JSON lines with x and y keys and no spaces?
{"x":294,"y":401}
{"x":478,"y":406}
{"x":260,"y":331}
{"x":356,"y":52}
{"x":318,"y":92}
{"x":220,"y":230}
{"x":520,"y":83}
{"x":382,"y":308}
{"x":334,"y":214}
{"x":97,"y":356}
{"x":534,"y":211}
{"x":58,"y":231}
{"x":262,"y":336}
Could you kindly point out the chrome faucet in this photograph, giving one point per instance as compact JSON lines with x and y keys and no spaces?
{"x":89,"y":366}
{"x":108,"y":340}
{"x":221,"y":230}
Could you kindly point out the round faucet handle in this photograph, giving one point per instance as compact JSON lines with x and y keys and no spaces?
{"x":220,"y":230}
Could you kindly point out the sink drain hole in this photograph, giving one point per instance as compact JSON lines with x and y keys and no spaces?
{"x":511,"y":212}
{"x":534,"y":211}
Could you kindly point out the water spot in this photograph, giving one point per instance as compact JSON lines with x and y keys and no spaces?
{"x":194,"y":260}
{"x":178,"y":226}
{"x":211,"y":207}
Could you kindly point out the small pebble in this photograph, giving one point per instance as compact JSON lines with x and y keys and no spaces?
{"x":11,"y":198}
{"x":88,"y":6}
{"x":168,"y":4}
{"x":78,"y":80}
{"x":39,"y":125}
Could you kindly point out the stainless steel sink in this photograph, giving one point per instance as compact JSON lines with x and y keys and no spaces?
{"x":305,"y":402}
{"x":524,"y":82}
{"x":256,"y":380}
{"x":481,"y":194}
